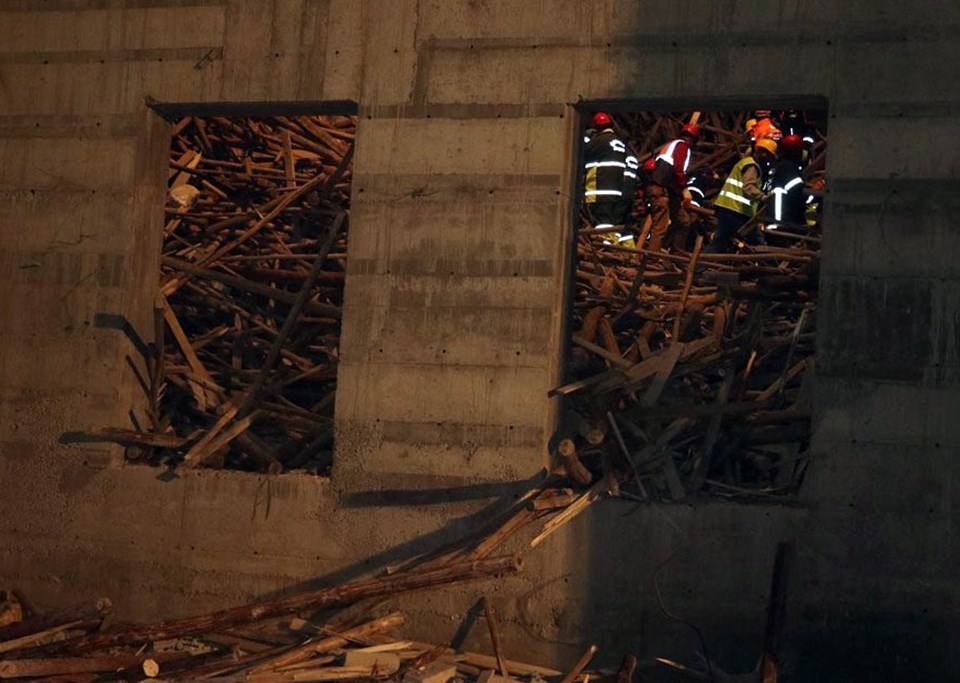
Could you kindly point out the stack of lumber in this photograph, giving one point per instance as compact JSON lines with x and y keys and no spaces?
{"x":688,"y":372}
{"x":247,"y":321}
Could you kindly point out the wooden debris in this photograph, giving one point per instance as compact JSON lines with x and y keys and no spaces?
{"x":339,"y":595}
{"x":252,"y":275}
{"x":333,"y":642}
{"x":580,"y":665}
{"x":660,"y":335}
{"x":35,"y":624}
{"x":571,"y":511}
{"x":377,"y":663}
{"x":437,"y":672}
{"x":214,"y":647}
{"x":494,"y":635}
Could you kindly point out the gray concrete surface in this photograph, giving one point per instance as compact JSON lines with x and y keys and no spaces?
{"x":452,"y":327}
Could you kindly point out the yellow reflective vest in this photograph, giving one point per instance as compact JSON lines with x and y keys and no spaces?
{"x":732,"y":196}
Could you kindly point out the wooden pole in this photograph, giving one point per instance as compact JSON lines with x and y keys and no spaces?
{"x":494,"y":635}
{"x":292,"y":317}
{"x":344,"y":594}
{"x":580,"y":665}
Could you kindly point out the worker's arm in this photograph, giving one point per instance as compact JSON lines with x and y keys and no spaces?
{"x":751,"y":186}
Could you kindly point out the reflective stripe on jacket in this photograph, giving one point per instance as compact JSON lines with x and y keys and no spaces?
{"x":672,"y":162}
{"x":605,"y":162}
{"x":732,"y":196}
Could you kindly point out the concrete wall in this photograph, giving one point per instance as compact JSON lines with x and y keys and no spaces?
{"x":452,"y":324}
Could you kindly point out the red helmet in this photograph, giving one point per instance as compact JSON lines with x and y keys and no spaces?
{"x":791,"y":143}
{"x":601,"y":119}
{"x":650,"y":164}
{"x":692,"y":130}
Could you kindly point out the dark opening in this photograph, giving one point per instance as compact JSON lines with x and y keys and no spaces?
{"x":693,"y":315}
{"x":251,"y":290}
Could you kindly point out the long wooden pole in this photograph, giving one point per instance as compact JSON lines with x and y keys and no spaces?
{"x":344,"y":594}
{"x":293,"y":316}
{"x":494,"y":635}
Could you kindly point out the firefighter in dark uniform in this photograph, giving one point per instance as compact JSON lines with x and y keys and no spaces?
{"x":605,"y":190}
{"x":785,"y":205}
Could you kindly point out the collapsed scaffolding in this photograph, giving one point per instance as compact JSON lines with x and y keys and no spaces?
{"x":242,"y":374}
{"x":689,"y":372}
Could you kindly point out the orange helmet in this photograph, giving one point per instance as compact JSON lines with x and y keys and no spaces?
{"x":765,"y":128}
{"x":601,"y":119}
{"x":766,"y":144}
{"x":692,"y":130}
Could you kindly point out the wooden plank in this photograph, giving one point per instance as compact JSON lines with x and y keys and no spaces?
{"x":668,"y":361}
{"x":188,"y":353}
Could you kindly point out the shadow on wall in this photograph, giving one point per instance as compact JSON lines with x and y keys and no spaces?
{"x":144,"y":352}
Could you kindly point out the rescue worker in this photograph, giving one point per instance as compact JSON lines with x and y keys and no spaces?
{"x":741,"y":194}
{"x":786,"y":203}
{"x":704,"y":181}
{"x":665,"y":191}
{"x":605,"y":161}
{"x":793,"y":122}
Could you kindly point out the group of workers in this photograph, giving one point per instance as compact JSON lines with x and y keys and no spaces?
{"x":659,"y":203}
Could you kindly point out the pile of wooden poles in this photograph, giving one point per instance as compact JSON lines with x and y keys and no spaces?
{"x":289,"y":638}
{"x":342,"y":632}
{"x":688,"y":372}
{"x":247,"y":321}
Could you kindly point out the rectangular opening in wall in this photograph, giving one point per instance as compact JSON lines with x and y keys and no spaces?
{"x":255,"y":235}
{"x":693,"y":315}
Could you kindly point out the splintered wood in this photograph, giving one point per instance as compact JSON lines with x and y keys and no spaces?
{"x":256,"y":642}
{"x":688,"y":372}
{"x":248,"y":317}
